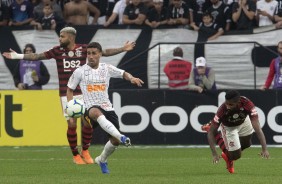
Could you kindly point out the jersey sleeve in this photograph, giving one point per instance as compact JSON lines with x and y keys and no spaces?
{"x":49,"y":54}
{"x":115,"y":72}
{"x":251,"y":109}
{"x":75,"y":79}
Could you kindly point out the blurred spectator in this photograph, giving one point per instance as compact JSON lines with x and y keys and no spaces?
{"x":106,"y":8}
{"x":38,"y":10}
{"x":7,"y":2}
{"x":4,"y":14}
{"x":265,"y":12}
{"x":197,"y":8}
{"x":243,"y":14}
{"x":275,"y":71}
{"x":208,"y":29}
{"x":178,"y":13}
{"x":30,"y":74}
{"x":278,"y":15}
{"x":21,"y":13}
{"x":117,"y":12}
{"x":48,"y":21}
{"x":157,"y":15}
{"x":202,"y":77}
{"x":178,"y":70}
{"x":76,"y":12}
{"x":221,"y":14}
{"x":135,"y":13}
{"x":148,"y":3}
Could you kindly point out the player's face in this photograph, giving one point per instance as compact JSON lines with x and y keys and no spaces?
{"x":64,"y":39}
{"x":207,"y":20}
{"x":201,"y":70}
{"x":93,"y":57}
{"x":231,"y":104}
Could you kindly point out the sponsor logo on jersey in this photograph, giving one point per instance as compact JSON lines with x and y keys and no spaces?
{"x":96,"y":87}
{"x":70,"y":65}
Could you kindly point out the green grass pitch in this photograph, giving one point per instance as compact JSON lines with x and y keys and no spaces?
{"x":136,"y":165}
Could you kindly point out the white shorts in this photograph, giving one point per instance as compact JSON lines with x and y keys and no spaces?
{"x":64,"y":102}
{"x":231,"y":135}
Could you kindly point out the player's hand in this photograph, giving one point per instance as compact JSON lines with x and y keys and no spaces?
{"x":8,"y":55}
{"x":21,"y":86}
{"x":199,"y":89}
{"x":264,"y":154}
{"x":263,"y":88}
{"x":137,"y":81}
{"x":129,"y":46}
{"x":215,"y":159}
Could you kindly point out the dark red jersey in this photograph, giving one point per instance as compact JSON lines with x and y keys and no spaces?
{"x":236,"y":117}
{"x":67,"y":61}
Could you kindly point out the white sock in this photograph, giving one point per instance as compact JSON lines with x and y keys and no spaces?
{"x":108,"y":127}
{"x":108,"y":150}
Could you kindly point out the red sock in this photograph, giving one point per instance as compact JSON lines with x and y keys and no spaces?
{"x":86,"y":137}
{"x":72,"y":139}
{"x":220,"y":143}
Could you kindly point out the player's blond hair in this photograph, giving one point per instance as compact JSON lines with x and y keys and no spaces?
{"x":70,"y":30}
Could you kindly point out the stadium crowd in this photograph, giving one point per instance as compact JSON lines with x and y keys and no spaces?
{"x":226,"y":14}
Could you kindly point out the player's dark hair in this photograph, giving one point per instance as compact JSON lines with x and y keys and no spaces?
{"x":95,"y":45}
{"x":232,"y":95}
{"x":279,"y":43}
{"x":29,"y":45}
{"x":178,"y":52}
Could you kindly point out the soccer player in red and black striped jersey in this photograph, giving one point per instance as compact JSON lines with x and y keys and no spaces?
{"x":69,"y":56}
{"x":237,"y":118}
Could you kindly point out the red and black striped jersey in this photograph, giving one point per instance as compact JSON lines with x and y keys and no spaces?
{"x":67,"y":61}
{"x":236,"y":117}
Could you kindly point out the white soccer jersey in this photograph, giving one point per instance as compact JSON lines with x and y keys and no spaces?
{"x":270,"y":8}
{"x":94,"y":84}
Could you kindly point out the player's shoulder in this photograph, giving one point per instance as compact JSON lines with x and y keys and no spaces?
{"x":246,"y":102}
{"x":244,"y":99}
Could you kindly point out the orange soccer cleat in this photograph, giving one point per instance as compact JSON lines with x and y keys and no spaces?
{"x":229,"y":164}
{"x":206,"y":127}
{"x":86,"y":157}
{"x":78,"y":160}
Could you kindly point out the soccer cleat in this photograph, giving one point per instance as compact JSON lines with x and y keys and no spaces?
{"x":125,"y":140}
{"x":86,"y":157}
{"x":229,"y":164}
{"x":206,"y":127}
{"x":78,"y":160}
{"x":103,"y":165}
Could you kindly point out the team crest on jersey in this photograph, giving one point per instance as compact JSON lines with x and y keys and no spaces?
{"x":235,"y":116}
{"x":23,"y":7}
{"x":71,"y":54}
{"x":102,"y":73}
{"x":78,"y":52}
{"x":181,"y":11}
{"x":137,"y":11}
{"x":242,"y":115}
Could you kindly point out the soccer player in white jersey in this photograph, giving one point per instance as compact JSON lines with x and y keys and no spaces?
{"x":93,"y":79}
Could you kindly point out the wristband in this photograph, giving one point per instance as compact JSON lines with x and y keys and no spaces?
{"x":15,"y":55}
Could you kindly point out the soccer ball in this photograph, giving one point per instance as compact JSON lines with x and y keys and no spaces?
{"x":75,"y":108}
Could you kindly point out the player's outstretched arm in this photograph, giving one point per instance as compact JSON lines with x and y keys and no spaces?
{"x":127,"y":76}
{"x":127,"y":47}
{"x":31,"y":57}
{"x":264,"y":153}
{"x":211,"y":138}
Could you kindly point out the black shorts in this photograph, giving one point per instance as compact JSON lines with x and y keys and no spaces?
{"x":110,"y":115}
